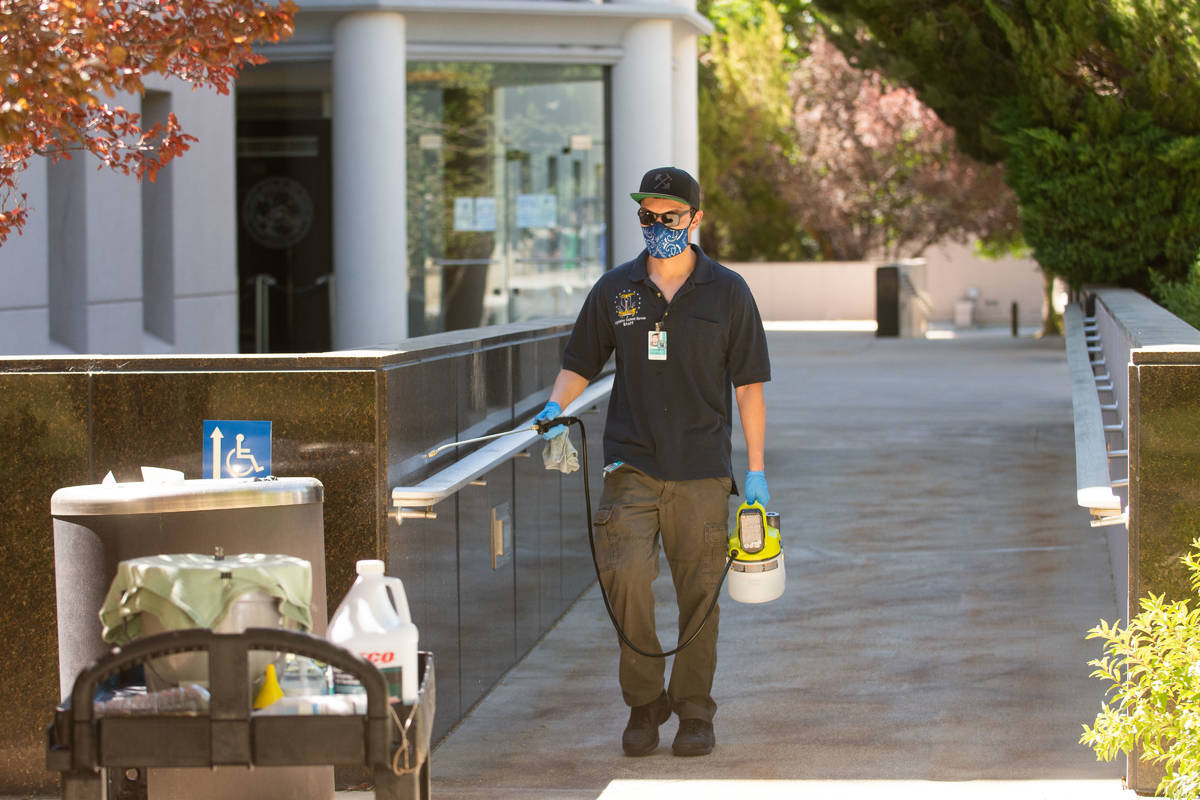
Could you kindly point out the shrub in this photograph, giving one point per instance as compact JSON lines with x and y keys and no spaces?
{"x":1153,"y":665}
{"x":1108,"y":206}
{"x":1181,"y":298}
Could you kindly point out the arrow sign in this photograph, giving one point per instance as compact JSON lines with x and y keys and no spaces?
{"x":216,"y":437}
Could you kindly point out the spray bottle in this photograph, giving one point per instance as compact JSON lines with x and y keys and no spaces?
{"x":373,"y":621}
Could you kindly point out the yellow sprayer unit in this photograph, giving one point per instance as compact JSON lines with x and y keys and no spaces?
{"x":756,"y":574}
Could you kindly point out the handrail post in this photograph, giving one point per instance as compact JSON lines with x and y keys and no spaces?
{"x":262,"y":311}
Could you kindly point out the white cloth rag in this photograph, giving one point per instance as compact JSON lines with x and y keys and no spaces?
{"x":560,"y":454}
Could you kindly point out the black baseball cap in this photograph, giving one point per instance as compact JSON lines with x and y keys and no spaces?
{"x":669,"y":183}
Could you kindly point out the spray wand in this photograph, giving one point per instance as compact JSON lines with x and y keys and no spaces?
{"x":525,"y":429}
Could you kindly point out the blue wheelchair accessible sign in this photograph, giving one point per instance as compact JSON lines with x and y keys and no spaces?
{"x":237,"y":448}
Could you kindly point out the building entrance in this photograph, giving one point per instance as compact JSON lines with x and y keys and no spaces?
{"x":285,"y":231}
{"x":506,"y":198}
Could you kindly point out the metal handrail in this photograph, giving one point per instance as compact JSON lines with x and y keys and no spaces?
{"x":416,"y":502}
{"x":1094,"y":488}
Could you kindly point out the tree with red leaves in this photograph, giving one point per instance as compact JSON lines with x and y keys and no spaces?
{"x":66,"y":62}
{"x":807,"y":156}
{"x":881,"y":175}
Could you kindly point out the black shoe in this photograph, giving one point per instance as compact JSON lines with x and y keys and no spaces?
{"x":695,"y":738}
{"x":641,"y":733}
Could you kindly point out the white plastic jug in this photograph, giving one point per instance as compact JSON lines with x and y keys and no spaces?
{"x":367,"y":623}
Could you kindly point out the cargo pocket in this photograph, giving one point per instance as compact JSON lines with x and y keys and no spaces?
{"x":716,"y":539}
{"x":608,"y":540}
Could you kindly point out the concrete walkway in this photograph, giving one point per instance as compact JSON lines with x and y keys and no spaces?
{"x":930,"y":642}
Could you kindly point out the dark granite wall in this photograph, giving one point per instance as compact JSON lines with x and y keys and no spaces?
{"x":45,"y":418}
{"x":1164,"y":470}
{"x":1164,"y":492}
{"x":1164,"y":458}
{"x":359,"y":422}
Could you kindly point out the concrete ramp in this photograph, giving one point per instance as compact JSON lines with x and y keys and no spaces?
{"x":931,"y":640}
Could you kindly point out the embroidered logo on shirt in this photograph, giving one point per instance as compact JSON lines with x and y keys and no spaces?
{"x":628,"y":304}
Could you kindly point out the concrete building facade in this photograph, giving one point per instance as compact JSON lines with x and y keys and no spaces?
{"x":399,"y":167}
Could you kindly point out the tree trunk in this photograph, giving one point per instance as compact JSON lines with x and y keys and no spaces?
{"x":1051,"y":320}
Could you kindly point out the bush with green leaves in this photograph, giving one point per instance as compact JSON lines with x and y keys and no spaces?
{"x":1093,"y":106}
{"x":1181,"y":298}
{"x":1153,"y":705}
{"x":1109,"y":204}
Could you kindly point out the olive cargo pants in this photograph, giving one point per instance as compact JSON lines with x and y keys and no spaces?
{"x":691,"y":520}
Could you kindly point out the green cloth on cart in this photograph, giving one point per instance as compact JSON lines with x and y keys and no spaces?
{"x":187,"y":590}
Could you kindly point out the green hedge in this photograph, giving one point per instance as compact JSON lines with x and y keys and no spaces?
{"x":1108,"y":207}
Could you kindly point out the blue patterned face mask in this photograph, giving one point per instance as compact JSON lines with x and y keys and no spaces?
{"x":664,"y":242}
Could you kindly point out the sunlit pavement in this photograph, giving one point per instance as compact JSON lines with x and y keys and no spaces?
{"x":930,"y":642}
{"x":862,"y":790}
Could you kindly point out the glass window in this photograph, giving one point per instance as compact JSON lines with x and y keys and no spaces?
{"x":506,"y":191}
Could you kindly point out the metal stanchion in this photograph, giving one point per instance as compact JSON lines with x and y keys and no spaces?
{"x":262,"y":311}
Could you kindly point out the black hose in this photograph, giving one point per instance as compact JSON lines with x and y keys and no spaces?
{"x":545,"y":425}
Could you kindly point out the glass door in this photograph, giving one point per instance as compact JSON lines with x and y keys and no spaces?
{"x":506,"y":198}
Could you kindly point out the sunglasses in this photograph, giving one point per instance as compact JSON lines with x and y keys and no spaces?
{"x":671,"y":219}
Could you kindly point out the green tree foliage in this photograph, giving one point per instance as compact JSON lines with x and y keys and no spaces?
{"x":804,"y":156}
{"x":745,"y":150}
{"x":989,"y":67}
{"x":1094,"y":104}
{"x":951,"y":53}
{"x":1182,"y":297}
{"x":1109,"y":207}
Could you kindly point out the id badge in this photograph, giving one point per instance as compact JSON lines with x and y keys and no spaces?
{"x":656,"y":347}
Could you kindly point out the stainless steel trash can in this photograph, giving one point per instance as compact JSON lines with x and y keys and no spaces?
{"x":99,"y":525}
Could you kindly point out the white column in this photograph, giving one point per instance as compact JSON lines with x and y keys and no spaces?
{"x":369,"y":180}
{"x":204,"y":215}
{"x":112,"y":259}
{"x":641,"y":124}
{"x":25,"y":270}
{"x":685,"y":126}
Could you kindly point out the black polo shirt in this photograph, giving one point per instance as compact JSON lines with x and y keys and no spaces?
{"x":671,"y":418}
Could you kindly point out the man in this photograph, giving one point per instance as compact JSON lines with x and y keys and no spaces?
{"x":685,"y":330}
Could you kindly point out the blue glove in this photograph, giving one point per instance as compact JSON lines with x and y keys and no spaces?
{"x":756,"y":488}
{"x":551,"y":411}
